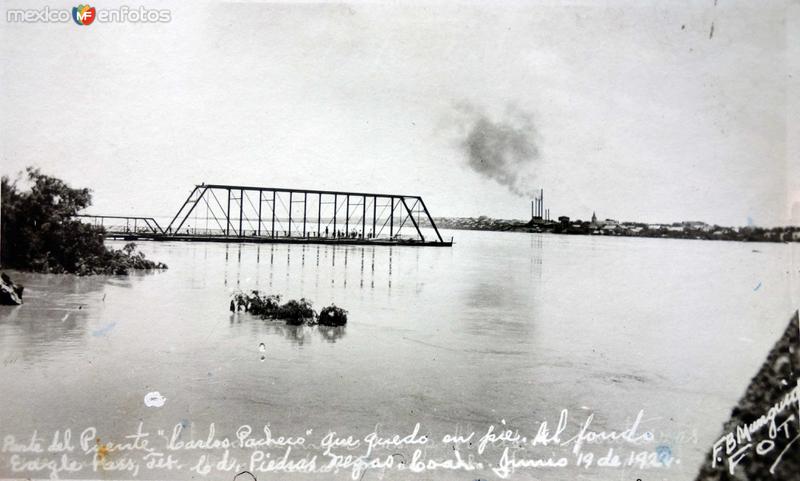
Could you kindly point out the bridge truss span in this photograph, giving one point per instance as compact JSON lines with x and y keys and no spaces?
{"x":237,"y":213}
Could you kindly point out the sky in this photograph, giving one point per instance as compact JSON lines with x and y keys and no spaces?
{"x":636,"y":110}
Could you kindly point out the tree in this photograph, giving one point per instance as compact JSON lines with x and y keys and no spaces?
{"x":40,"y":233}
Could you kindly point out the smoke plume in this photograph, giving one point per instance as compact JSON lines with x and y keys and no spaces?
{"x":503,"y":150}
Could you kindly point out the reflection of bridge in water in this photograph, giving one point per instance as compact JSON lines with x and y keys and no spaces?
{"x":235,"y":213}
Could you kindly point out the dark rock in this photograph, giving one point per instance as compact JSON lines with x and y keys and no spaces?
{"x":777,"y":379}
{"x":10,"y":293}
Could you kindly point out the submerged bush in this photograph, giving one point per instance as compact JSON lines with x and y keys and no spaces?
{"x":39,"y":232}
{"x":332,"y":316}
{"x":265,"y":305}
{"x":296,"y":313}
{"x":256,"y":304}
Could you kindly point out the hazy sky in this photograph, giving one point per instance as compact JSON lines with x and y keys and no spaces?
{"x":630,"y":108}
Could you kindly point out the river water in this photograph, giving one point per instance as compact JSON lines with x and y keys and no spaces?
{"x":503,"y":329}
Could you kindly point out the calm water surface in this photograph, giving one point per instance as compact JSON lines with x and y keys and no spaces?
{"x":502,"y":326}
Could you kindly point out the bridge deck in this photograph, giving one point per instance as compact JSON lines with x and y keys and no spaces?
{"x":131,"y":236}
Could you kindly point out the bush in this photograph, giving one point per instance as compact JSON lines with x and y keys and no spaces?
{"x":293,"y":312}
{"x":296,"y":313}
{"x":265,"y":306}
{"x":332,"y":316}
{"x":256,"y":304}
{"x":39,"y":232}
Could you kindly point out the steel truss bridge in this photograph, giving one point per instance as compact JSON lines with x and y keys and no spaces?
{"x":235,"y":213}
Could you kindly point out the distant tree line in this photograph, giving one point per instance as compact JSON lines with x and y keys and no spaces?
{"x":677,"y":230}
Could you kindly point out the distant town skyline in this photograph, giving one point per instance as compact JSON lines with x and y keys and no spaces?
{"x":638,"y":112}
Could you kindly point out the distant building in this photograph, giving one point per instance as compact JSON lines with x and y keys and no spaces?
{"x":696,"y":225}
{"x":594,"y":224}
